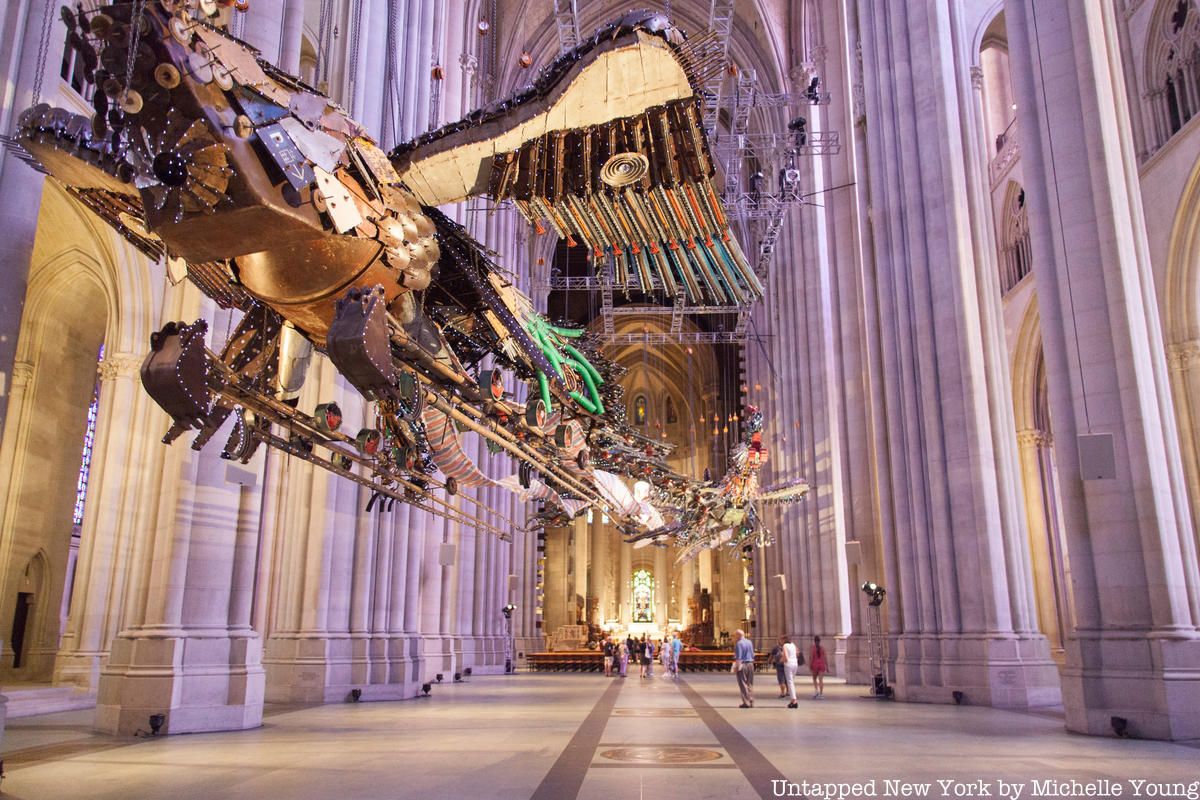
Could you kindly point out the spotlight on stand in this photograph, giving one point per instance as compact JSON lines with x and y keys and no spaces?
{"x":458,"y":677}
{"x":355,"y":695}
{"x":799,"y":129}
{"x":1120,"y":727}
{"x":508,"y":610}
{"x":876,"y":644}
{"x":426,"y":688}
{"x":156,"y":723}
{"x":467,"y":672}
{"x":439,"y":677}
{"x":875,"y":592}
{"x":959,"y":697}
{"x":813,"y":92}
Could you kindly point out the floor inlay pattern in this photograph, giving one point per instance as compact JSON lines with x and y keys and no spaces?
{"x":662,"y":755}
{"x":654,"y":712}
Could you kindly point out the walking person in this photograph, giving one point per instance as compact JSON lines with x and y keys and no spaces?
{"x":664,"y":658}
{"x":743,"y":667}
{"x":676,"y":649}
{"x":609,"y":654}
{"x":778,"y":661}
{"x":623,"y":657}
{"x":648,"y":658}
{"x":791,"y":663}
{"x":818,"y":667}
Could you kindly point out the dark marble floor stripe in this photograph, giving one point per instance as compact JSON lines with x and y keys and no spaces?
{"x":753,"y":764}
{"x":566,"y":776}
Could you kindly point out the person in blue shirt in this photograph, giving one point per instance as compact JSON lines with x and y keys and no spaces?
{"x":676,"y":649}
{"x":743,"y":667}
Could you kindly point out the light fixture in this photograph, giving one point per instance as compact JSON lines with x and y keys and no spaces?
{"x":875,"y":592}
{"x":959,"y":697}
{"x":508,"y":610}
{"x":426,"y":688}
{"x":156,"y":723}
{"x":458,"y":677}
{"x":355,"y":695}
{"x":1120,"y":727}
{"x":467,"y":671}
{"x":438,"y":678}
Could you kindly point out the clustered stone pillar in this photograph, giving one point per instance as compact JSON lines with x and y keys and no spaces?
{"x":960,"y":607}
{"x":126,"y":460}
{"x":1184,"y":361}
{"x":22,"y":40}
{"x":185,"y":649}
{"x":1134,"y":652}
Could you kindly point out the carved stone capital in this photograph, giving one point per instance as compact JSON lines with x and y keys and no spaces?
{"x":469,"y":63}
{"x":1184,"y":355}
{"x":22,"y":374}
{"x":1033,"y":438}
{"x":118,"y":365}
{"x":977,"y":76}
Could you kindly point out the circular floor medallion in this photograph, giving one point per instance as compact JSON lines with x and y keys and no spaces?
{"x":653,"y":712}
{"x":662,"y":755}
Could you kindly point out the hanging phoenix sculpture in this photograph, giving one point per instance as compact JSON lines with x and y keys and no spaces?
{"x":278,"y":205}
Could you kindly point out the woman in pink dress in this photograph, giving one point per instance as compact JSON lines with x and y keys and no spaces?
{"x":816,"y":663}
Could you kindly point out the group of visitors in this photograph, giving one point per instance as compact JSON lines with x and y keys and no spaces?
{"x":643,"y":651}
{"x":787,"y":659}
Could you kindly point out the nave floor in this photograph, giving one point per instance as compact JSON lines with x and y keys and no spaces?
{"x":559,"y":736}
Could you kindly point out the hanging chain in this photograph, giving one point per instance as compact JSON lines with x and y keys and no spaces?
{"x":135,"y":26}
{"x":355,"y":43}
{"x":43,"y":52}
{"x":391,"y":122}
{"x":324,"y":44}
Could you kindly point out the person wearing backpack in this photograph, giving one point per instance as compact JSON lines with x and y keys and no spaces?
{"x":778,"y":661}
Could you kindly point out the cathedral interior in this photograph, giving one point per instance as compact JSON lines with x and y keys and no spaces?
{"x":367,"y":365}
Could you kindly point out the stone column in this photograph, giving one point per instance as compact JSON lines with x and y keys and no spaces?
{"x":960,"y":603}
{"x":624,"y":590}
{"x":21,"y":37}
{"x":184,"y":649}
{"x":1045,"y":546}
{"x":17,"y":409}
{"x":126,"y":460}
{"x":275,"y":29}
{"x":1135,"y":650}
{"x":1184,"y":361}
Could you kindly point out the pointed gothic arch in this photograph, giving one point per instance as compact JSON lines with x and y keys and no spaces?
{"x":1016,"y":249}
{"x":1172,"y":68}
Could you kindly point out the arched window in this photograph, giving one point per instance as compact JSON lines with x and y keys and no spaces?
{"x":642,"y":584}
{"x":85,"y":463}
{"x":641,"y":410}
{"x":1173,"y":67}
{"x":1016,"y":255}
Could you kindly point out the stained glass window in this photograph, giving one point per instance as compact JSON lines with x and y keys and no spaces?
{"x":640,"y":410}
{"x":85,"y":462}
{"x":643,"y":596}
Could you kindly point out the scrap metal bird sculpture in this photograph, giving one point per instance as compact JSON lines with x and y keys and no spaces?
{"x":277,"y":204}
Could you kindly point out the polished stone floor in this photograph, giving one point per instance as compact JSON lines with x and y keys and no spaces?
{"x":556,"y":736}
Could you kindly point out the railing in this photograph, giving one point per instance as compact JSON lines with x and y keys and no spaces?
{"x":1008,"y":152}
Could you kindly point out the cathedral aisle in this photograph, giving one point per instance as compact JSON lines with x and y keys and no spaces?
{"x":568,"y":735}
